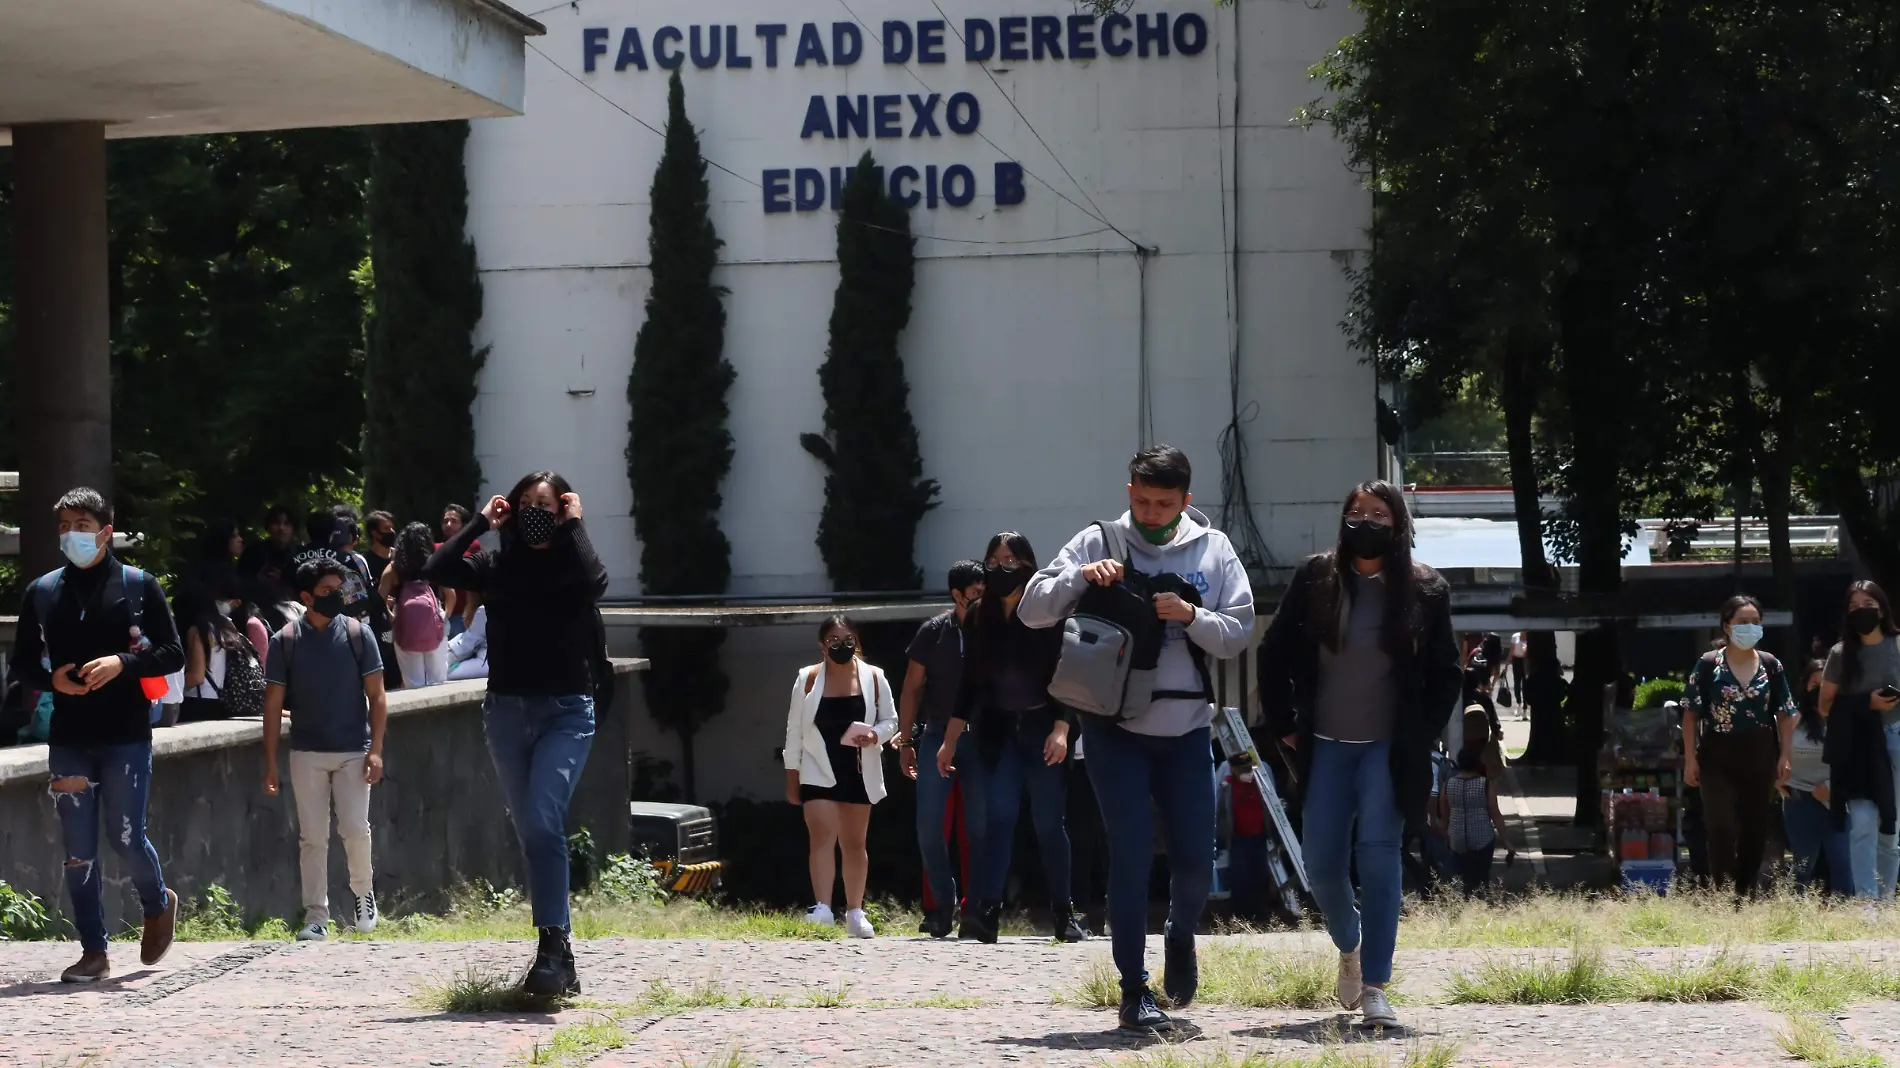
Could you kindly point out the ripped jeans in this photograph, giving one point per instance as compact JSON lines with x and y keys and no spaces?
{"x":119,"y":782}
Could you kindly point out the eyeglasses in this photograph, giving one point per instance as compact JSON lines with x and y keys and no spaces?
{"x":1380,"y":518}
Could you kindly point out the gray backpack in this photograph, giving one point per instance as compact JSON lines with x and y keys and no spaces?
{"x":1110,"y":645}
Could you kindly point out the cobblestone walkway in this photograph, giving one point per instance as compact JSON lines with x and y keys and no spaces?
{"x":906,"y":1002}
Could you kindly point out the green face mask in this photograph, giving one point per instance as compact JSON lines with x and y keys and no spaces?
{"x":1159,"y":535}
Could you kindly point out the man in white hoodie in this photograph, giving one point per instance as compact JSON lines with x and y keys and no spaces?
{"x":1165,"y":753}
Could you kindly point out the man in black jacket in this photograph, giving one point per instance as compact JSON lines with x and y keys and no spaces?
{"x":102,"y":627}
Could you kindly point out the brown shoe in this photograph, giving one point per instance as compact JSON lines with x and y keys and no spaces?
{"x":91,"y":968}
{"x":159,"y":930}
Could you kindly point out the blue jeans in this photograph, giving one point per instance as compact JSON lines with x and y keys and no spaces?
{"x":992,"y":801}
{"x":1128,"y":770}
{"x":539,"y":746}
{"x":1352,"y":812}
{"x":1876,"y":856}
{"x":1810,"y":836}
{"x":119,"y":783}
{"x":933,"y":800}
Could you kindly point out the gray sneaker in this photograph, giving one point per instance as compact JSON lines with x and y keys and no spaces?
{"x":314,"y":932}
{"x":1351,"y":988}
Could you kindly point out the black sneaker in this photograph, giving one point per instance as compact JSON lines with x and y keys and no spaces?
{"x":1182,"y":979}
{"x":1069,"y":927}
{"x":1140,"y":1013}
{"x":940,"y":922}
{"x":550,"y":974}
{"x":979,"y":922}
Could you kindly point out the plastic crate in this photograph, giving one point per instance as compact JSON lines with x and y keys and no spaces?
{"x":1651,"y":875}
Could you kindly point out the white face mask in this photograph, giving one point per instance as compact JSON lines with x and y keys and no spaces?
{"x":224,"y":609}
{"x":80,"y":546}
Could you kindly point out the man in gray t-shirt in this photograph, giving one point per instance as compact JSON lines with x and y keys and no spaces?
{"x":327,"y":670}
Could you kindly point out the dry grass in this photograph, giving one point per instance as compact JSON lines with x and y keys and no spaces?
{"x":1814,"y":1041}
{"x":1584,"y":978}
{"x":1686,"y":917}
{"x":481,"y":990}
{"x":1240,"y":974}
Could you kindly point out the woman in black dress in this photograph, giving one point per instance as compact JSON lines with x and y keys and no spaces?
{"x":842,"y":714}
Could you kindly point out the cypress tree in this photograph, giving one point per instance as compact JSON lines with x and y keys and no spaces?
{"x":678,"y":447}
{"x":875,"y":492}
{"x":421,"y":364}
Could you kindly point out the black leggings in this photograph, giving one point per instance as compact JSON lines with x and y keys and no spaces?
{"x":1738,"y":790}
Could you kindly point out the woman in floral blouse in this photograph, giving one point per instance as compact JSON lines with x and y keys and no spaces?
{"x":1741,"y":699}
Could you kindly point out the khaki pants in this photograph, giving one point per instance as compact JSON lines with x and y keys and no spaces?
{"x":320,"y":780}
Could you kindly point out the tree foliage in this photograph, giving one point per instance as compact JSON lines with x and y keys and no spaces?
{"x":678,"y":447}
{"x":420,"y":375}
{"x":875,"y":492}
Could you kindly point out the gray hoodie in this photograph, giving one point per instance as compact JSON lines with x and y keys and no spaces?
{"x":1222,"y":627}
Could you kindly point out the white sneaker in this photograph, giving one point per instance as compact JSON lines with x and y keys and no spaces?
{"x":821,"y":915}
{"x":314,"y":932}
{"x":1378,"y":1010}
{"x":858,"y":925}
{"x":366,"y":914}
{"x":1351,"y":987}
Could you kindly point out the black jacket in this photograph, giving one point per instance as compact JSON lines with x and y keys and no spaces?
{"x":1013,"y":646}
{"x":1429,"y":680}
{"x":1856,"y":756}
{"x":91,"y":618}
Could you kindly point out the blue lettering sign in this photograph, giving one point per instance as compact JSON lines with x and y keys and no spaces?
{"x":808,"y":188}
{"x":771,"y":31}
{"x":734,"y":60}
{"x":811,"y":47}
{"x":660,"y":55}
{"x":1184,"y":43}
{"x":979,"y":40}
{"x":925,"y":108}
{"x":1156,"y":34}
{"x":817,"y":119}
{"x":1009,"y":184}
{"x":706,"y":60}
{"x":956,"y":195}
{"x":1045,"y":32}
{"x":898,"y":42}
{"x":593,"y":44}
{"x":930,"y":187}
{"x":1113,"y":45}
{"x":900,"y":175}
{"x":847,"y":44}
{"x":854,"y":119}
{"x":889,"y":119}
{"x":930,"y":41}
{"x":1014,"y":30}
{"x":777,"y":185}
{"x":965,"y":105}
{"x":630,"y":51}
{"x":1081,"y":37}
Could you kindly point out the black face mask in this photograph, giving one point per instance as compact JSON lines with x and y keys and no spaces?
{"x":536,"y":525}
{"x":330,"y":604}
{"x":841,"y":652}
{"x":387,"y":539}
{"x":1864,"y":620}
{"x":1003,"y":581}
{"x":1365,"y":540}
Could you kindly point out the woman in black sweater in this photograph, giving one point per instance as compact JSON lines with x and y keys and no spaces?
{"x":543,"y":640}
{"x":1021,"y":740}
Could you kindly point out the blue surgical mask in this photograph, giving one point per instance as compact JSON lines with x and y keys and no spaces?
{"x":1745,"y":635}
{"x":80,"y":546}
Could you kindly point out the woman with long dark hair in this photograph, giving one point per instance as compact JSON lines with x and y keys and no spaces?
{"x":210,"y":639}
{"x":1805,"y":795}
{"x":418,"y":622}
{"x":842,"y":713}
{"x":1358,"y":675}
{"x":1738,"y":716}
{"x":1860,"y":696}
{"x":1021,"y":740}
{"x":544,"y":639}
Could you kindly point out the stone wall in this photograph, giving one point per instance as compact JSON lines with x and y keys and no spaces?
{"x":438,"y":817}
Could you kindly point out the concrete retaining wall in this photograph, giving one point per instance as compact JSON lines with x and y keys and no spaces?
{"x":438,"y":818}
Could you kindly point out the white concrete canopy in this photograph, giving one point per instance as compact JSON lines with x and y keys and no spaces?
{"x":160,"y":67}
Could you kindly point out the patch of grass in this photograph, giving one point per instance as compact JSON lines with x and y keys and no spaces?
{"x":475,"y":990}
{"x":731,"y":1058}
{"x":1723,"y":977}
{"x":599,"y":917}
{"x":1098,"y":987}
{"x":1250,"y":976}
{"x":935,"y":1001}
{"x":823,"y":997}
{"x":663,"y":999}
{"x":1332,"y":1055}
{"x":1813,"y":1040}
{"x":578,"y":1044}
{"x":1686,"y":917}
{"x":1582,"y":979}
{"x":1825,"y":986}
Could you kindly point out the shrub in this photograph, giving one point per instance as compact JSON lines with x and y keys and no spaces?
{"x":1655,"y":692}
{"x":631,"y":880}
{"x":23,"y":916}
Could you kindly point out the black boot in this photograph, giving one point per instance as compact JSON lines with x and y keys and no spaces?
{"x":992,"y":921}
{"x":1182,"y":977}
{"x":1140,"y":1013}
{"x":552,"y":969}
{"x":941,"y":922}
{"x":979,"y":921}
{"x":569,"y":977}
{"x":1069,"y":927}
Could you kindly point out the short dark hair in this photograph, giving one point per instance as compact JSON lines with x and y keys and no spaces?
{"x":312,"y":572}
{"x":319,"y":524}
{"x":88,"y":500}
{"x":280,"y":511}
{"x":459,"y":512}
{"x":965,"y":574}
{"x":380,"y":517}
{"x":1161,"y":466}
{"x":1734,"y":605}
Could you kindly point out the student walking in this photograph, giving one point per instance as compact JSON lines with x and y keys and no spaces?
{"x":931,"y":682}
{"x":1805,"y":794}
{"x":109,"y":631}
{"x":1159,"y":762}
{"x":1860,"y":698}
{"x":326,"y":669}
{"x":1021,"y":741}
{"x":545,"y":649}
{"x":1359,"y":674}
{"x":1738,"y":716}
{"x":1468,"y":810}
{"x":841,"y":714}
{"x":418,"y":627}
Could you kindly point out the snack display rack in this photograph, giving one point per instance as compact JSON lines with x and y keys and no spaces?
{"x":1639,"y":776}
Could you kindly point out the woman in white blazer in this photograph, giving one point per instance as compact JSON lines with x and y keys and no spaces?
{"x":842,"y":714}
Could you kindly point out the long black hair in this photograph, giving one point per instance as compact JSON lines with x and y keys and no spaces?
{"x":509,"y":538}
{"x":196,"y":606}
{"x":986,"y":624}
{"x":1850,"y":638}
{"x":1810,"y":705}
{"x":1402,"y":619}
{"x":411,"y":554}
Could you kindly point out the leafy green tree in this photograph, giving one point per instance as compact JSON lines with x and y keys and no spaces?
{"x":875,"y":492}
{"x":422,"y":364}
{"x":678,"y":448}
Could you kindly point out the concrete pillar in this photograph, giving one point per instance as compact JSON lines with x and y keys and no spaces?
{"x":63,"y":371}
